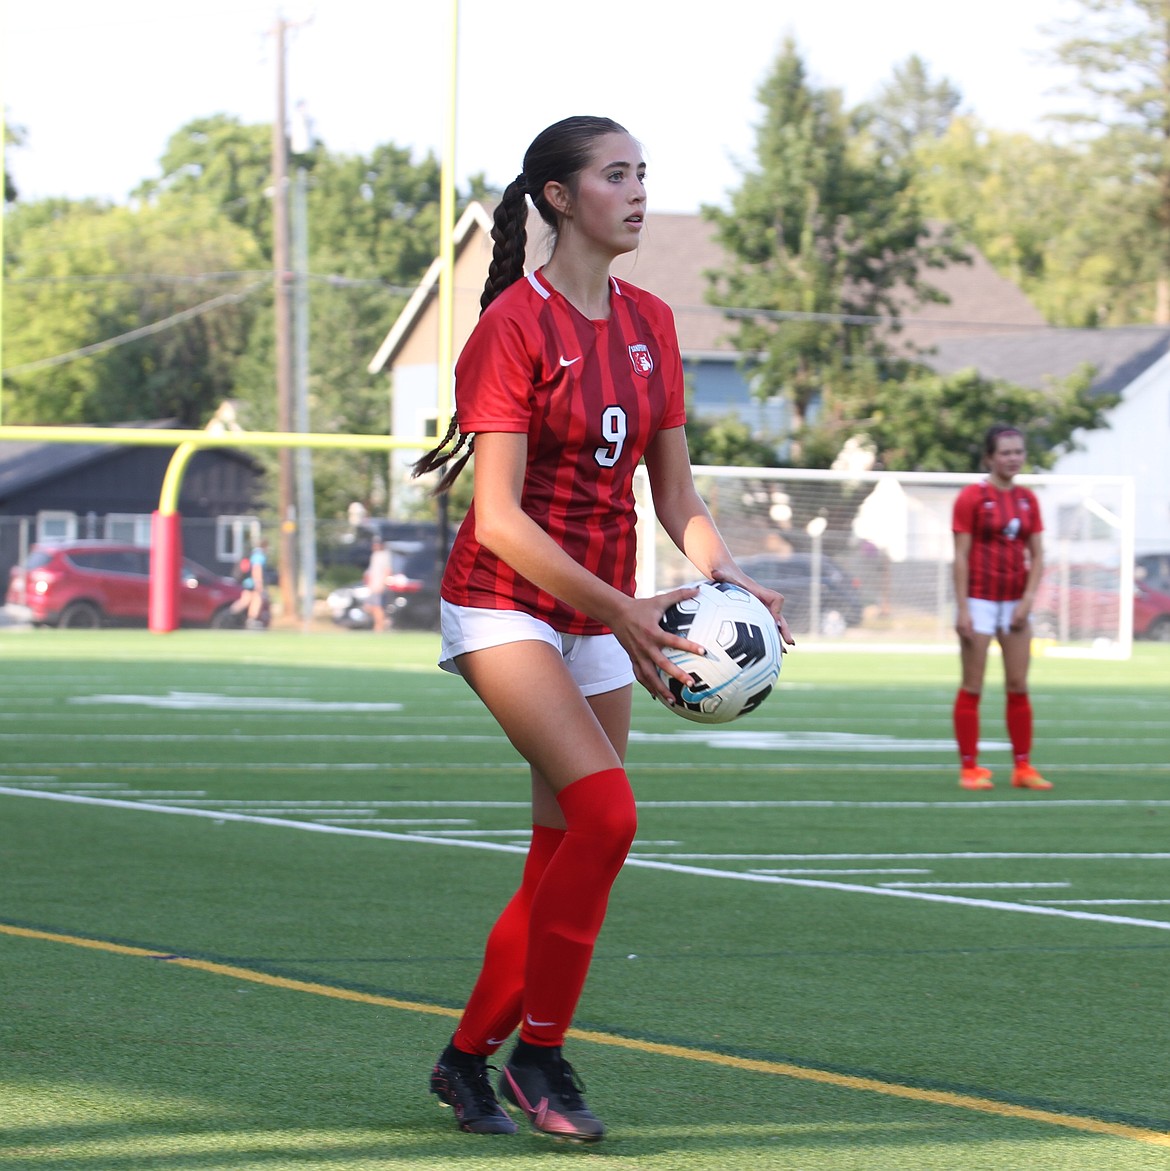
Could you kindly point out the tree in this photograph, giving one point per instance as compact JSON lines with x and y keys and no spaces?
{"x":373,"y":228}
{"x":204,"y":226}
{"x":823,"y":236}
{"x":908,"y":110}
{"x":226,"y":163}
{"x":936,"y":422}
{"x":81,"y":274}
{"x":727,"y":442}
{"x":1118,"y":51}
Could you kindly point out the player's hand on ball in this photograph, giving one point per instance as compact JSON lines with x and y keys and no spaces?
{"x":773,"y":600}
{"x":640,"y":633}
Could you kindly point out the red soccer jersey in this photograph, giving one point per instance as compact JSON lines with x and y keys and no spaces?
{"x":590,"y":395}
{"x":1000,"y":524}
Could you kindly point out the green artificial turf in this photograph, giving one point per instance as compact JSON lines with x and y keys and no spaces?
{"x":245,"y":880}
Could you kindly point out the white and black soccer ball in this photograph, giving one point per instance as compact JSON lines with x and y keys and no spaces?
{"x":743,"y":656}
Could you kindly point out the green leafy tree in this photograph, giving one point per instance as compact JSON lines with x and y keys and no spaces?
{"x":1118,"y":51}
{"x":373,"y":228}
{"x":935,"y":422}
{"x":727,"y":442}
{"x":225,"y":162}
{"x":823,"y":235}
{"x":908,"y":110}
{"x":80,"y":275}
{"x":1061,"y":220}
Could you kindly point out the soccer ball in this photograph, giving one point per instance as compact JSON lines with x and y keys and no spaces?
{"x":743,"y":656}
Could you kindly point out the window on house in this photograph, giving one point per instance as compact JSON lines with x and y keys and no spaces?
{"x":56,"y":526}
{"x":234,"y":537}
{"x":128,"y":528}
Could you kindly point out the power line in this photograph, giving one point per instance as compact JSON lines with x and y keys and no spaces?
{"x":135,"y":334}
{"x":138,"y":278}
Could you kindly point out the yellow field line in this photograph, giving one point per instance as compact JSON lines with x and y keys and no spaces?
{"x":680,"y":1052}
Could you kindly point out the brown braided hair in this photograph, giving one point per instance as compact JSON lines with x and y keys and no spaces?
{"x":558,"y":154}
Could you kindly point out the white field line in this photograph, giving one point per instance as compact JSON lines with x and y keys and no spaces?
{"x":642,"y":862}
{"x":1103,"y":902}
{"x":961,"y":856}
{"x":975,"y":885}
{"x":775,"y":767}
{"x":199,"y":798}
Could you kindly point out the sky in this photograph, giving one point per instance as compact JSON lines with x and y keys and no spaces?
{"x":99,"y":88}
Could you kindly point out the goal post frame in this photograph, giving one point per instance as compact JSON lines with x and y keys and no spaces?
{"x":1107,"y":502}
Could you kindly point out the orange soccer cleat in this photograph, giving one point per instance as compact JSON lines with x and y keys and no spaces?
{"x":1024,"y":776}
{"x":975,"y":778}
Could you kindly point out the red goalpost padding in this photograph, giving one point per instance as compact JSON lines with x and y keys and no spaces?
{"x":166,"y":559}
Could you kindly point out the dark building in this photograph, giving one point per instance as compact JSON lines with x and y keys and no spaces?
{"x":62,"y":491}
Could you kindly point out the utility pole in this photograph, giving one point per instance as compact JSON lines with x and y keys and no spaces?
{"x":282,"y":276}
{"x":301,"y":145}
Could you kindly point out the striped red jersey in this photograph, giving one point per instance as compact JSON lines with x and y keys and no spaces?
{"x":590,"y":396}
{"x":1000,"y":523}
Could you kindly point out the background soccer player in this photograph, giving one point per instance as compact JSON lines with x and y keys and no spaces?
{"x":999,"y":557}
{"x":568,"y":381}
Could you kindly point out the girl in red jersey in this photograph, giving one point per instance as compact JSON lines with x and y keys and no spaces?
{"x":999,"y":556}
{"x":568,"y":381}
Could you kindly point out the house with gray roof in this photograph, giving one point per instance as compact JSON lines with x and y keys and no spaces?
{"x":676,"y":252}
{"x":986,"y":323}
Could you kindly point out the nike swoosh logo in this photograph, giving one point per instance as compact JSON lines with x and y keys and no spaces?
{"x":540,"y":1024}
{"x":496,"y":1040}
{"x":569,"y":361}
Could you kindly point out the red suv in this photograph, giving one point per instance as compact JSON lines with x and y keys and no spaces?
{"x":1086,"y":603}
{"x":98,"y":583}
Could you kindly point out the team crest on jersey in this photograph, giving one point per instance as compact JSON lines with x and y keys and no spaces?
{"x":641,"y":360}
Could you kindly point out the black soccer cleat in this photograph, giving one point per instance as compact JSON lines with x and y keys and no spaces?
{"x":468,"y":1092}
{"x":549,"y":1094}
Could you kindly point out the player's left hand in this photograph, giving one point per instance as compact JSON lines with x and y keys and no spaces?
{"x":773,"y":600}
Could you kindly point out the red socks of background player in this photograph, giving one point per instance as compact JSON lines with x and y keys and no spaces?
{"x":1019,"y":725}
{"x":1017,"y":713}
{"x":539,"y":951}
{"x":966,"y":715}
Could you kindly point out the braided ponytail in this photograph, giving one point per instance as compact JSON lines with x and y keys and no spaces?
{"x":437,"y":458}
{"x":510,"y":234}
{"x":557,"y":155}
{"x":510,"y":240}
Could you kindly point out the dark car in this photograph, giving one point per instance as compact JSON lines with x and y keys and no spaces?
{"x":840,"y":599}
{"x":411,"y":593}
{"x":100,"y":583}
{"x":1153,"y":571}
{"x":1083,"y":601}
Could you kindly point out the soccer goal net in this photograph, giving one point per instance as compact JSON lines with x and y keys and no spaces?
{"x":867,"y":557}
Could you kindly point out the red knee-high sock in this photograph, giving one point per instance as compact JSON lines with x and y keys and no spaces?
{"x":570,"y":902}
{"x":493,"y":1009}
{"x":966,"y":717}
{"x":1018,"y":715}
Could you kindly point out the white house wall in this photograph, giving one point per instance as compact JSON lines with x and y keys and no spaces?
{"x":1135,"y":444}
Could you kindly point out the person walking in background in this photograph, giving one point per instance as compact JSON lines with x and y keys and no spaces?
{"x":569,"y":379}
{"x":999,"y":557}
{"x":252,"y":571}
{"x":377,"y":572}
